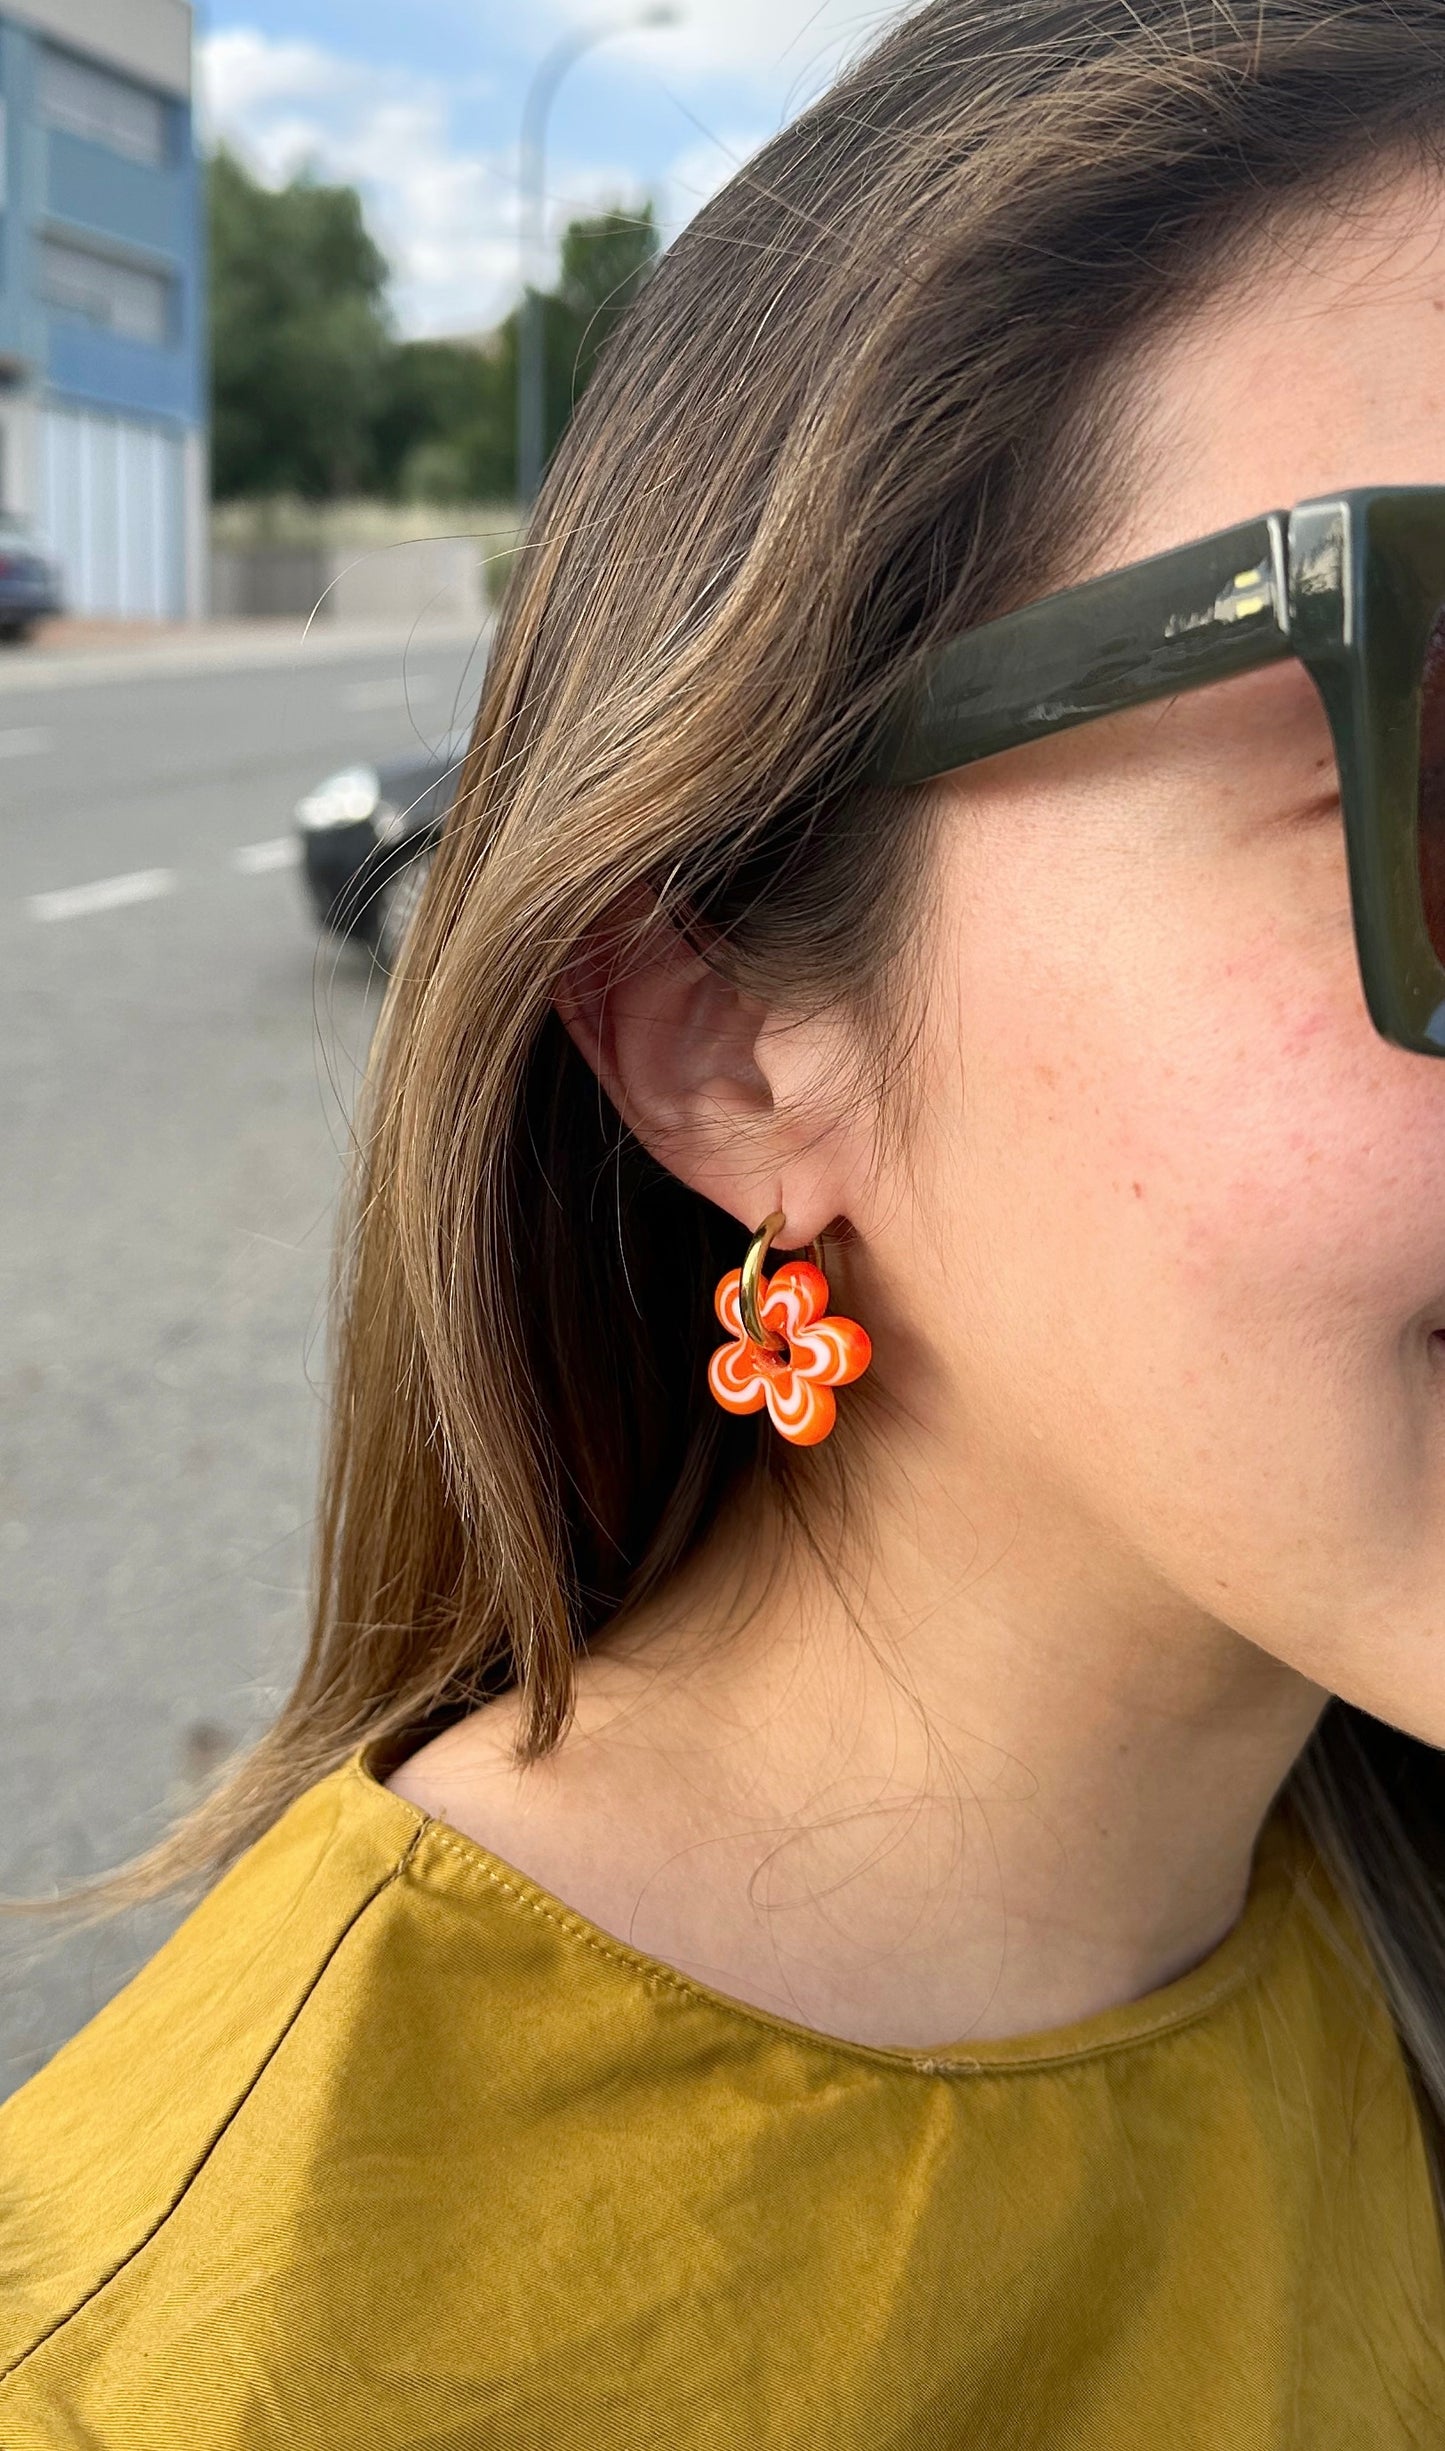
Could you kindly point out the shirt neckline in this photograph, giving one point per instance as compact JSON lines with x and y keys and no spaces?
{"x":1278,"y":1872}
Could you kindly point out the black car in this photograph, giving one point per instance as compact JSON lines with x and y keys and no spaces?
{"x":29,"y":584}
{"x":367,"y":838}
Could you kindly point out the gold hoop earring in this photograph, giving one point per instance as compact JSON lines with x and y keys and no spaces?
{"x":750,"y":1280}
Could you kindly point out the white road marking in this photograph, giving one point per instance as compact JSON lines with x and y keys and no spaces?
{"x":258,"y":859}
{"x":108,"y":894}
{"x":25,"y":742}
{"x":400,"y":690}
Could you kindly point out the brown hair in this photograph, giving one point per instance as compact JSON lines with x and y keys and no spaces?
{"x":863,"y":403}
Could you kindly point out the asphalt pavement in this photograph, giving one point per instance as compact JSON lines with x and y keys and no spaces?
{"x":177,"y":1065}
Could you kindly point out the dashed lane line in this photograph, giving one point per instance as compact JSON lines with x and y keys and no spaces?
{"x":258,"y":859}
{"x":107,"y":894}
{"x":25,"y":740}
{"x":150,"y":884}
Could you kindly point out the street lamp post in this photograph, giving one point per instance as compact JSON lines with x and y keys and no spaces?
{"x":532,"y":334}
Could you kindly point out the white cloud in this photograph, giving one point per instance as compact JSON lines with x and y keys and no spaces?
{"x":786,"y":49}
{"x":704,"y":167}
{"x":445,"y":211}
{"x":782,"y":53}
{"x":445,"y":216}
{"x":243,"y":71}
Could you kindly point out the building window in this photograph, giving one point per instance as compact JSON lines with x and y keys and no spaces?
{"x":89,"y":101}
{"x":124,"y":298}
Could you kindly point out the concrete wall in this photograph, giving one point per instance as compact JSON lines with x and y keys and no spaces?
{"x":149,"y":38}
{"x":425,"y":579}
{"x":262,"y":582}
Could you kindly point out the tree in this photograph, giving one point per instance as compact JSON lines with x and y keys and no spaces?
{"x":443,"y":427}
{"x":446,"y":430}
{"x":604,"y":264}
{"x":299,"y":335}
{"x":313,"y":395}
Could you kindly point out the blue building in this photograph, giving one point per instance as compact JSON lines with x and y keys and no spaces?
{"x":102,"y":311}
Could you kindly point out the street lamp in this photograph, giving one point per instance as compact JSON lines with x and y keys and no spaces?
{"x":532,"y":337}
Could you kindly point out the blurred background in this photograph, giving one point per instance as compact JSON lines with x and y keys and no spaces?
{"x":296,"y":296}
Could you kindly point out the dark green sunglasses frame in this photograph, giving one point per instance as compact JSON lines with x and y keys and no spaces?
{"x":1352,"y":585}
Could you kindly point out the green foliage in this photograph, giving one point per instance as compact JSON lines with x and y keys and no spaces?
{"x":443,"y":427}
{"x":446,"y":431}
{"x":300,"y":335}
{"x":314,"y":397}
{"x":604,"y":264}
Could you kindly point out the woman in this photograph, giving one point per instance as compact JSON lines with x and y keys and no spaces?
{"x":910,"y":1915}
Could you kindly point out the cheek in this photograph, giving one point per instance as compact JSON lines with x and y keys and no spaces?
{"x":1165,"y":1163}
{"x":1275,"y":1171}
{"x":1274,"y":1196}
{"x":1218,"y":1326}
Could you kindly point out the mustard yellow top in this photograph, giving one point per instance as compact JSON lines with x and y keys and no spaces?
{"x":387,"y":2147}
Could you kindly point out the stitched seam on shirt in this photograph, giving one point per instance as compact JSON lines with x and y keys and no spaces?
{"x":8,"y":2373}
{"x":923,"y":2063}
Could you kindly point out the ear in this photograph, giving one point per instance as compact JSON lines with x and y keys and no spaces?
{"x":724,"y":1091}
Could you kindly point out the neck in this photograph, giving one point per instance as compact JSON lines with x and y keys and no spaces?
{"x":995,"y":1732}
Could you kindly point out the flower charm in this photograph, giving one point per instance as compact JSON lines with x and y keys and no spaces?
{"x":797,"y":1384}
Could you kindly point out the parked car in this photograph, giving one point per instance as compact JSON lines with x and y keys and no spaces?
{"x":367,"y":838}
{"x":29,"y":582}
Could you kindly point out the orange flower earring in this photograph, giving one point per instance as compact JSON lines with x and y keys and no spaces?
{"x":785,"y":1353}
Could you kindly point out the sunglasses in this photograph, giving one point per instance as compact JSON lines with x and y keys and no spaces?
{"x":1352,"y":586}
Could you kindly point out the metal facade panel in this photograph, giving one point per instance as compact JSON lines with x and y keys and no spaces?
{"x":101,"y":370}
{"x":64,"y":186}
{"x":22,"y":318}
{"x":113,"y":508}
{"x":103,"y":422}
{"x":127,"y":202}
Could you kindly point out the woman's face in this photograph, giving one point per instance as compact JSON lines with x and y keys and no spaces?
{"x":1167,"y":1244}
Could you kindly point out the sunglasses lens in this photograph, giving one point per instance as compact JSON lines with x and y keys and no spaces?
{"x":1432,"y":789}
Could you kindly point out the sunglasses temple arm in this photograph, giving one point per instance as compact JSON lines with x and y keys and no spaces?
{"x":1200,"y":613}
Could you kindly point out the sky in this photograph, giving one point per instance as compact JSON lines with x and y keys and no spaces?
{"x":419,"y":106}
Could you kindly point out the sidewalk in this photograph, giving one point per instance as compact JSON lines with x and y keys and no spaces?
{"x":69,"y":651}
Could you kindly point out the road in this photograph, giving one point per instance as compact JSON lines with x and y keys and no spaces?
{"x":176,"y":1068}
